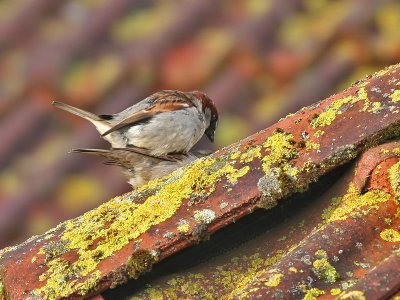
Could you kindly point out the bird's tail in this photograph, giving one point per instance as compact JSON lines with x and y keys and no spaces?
{"x":101,"y":152}
{"x":77,"y":111}
{"x":112,"y":159}
{"x":101,"y":124}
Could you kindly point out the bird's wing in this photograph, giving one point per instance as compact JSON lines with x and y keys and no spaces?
{"x":155,"y":108}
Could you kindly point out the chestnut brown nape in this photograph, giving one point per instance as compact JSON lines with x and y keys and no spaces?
{"x":207,"y":103}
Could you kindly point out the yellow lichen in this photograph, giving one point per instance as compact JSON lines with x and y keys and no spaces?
{"x":155,"y":294}
{"x":250,"y":154}
{"x":353,"y":295}
{"x":183,"y":228}
{"x":323,"y":269}
{"x":280,"y":175}
{"x":394,"y":177}
{"x":384,"y":151}
{"x":274,"y":280}
{"x":282,"y":148}
{"x":334,"y":203}
{"x":356,"y":204}
{"x":388,"y":221}
{"x":231,"y":279}
{"x":335,"y":291}
{"x":321,"y":253}
{"x":179,"y":285}
{"x":102,"y":231}
{"x":338,"y":106}
{"x":204,"y":216}
{"x":237,"y":281}
{"x":247,"y":155}
{"x":319,"y":133}
{"x":362,"y":95}
{"x":396,"y":151}
{"x":376,"y":106}
{"x":328,"y":116}
{"x":310,"y":145}
{"x":1,"y":290}
{"x":235,"y":155}
{"x":59,"y":283}
{"x":395,"y":96}
{"x":107,"y":229}
{"x":313,"y":293}
{"x":390,"y":235}
{"x":293,"y":270}
{"x":233,"y":175}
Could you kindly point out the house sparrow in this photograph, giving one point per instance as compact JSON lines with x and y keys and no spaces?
{"x":139,"y":166}
{"x":165,"y":122}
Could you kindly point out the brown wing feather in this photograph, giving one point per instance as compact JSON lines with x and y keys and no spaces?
{"x":162,"y":106}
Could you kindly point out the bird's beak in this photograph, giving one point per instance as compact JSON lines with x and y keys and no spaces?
{"x":210,"y":134}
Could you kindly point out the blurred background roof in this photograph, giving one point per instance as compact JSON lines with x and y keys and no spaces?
{"x":258,"y":60}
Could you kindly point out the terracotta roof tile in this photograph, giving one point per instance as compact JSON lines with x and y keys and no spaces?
{"x":126,"y":236}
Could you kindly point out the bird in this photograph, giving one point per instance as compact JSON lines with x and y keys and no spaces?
{"x":139,"y":166}
{"x":168,"y":121}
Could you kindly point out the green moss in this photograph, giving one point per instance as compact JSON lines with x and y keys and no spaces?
{"x":141,"y":261}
